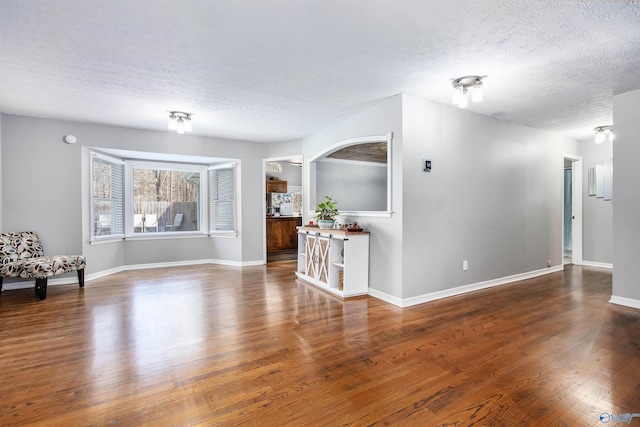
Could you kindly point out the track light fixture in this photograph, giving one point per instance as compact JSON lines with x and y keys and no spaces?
{"x":180,"y":121}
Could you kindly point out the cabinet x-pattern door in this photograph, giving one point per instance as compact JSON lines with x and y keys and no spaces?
{"x":311,"y":261}
{"x":323,"y":259}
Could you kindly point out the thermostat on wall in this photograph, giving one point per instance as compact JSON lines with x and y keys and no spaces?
{"x":70,"y":139}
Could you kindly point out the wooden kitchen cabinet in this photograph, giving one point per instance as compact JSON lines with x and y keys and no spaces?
{"x":282,"y":233}
{"x":276,"y":186}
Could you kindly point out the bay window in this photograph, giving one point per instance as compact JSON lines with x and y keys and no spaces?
{"x":145,"y":199}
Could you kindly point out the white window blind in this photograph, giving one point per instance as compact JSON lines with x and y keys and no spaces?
{"x":107,"y":197}
{"x":222,"y":203}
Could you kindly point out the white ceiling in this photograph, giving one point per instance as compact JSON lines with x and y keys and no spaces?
{"x":279,"y":70}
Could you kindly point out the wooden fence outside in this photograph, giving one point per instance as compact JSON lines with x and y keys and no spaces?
{"x":165,"y":213}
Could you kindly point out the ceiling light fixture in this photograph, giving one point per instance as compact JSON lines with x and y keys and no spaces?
{"x":467,"y":88}
{"x":604,"y":133}
{"x":180,"y":121}
{"x":273,"y":167}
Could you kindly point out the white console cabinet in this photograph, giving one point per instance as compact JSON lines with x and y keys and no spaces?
{"x":334,"y":260}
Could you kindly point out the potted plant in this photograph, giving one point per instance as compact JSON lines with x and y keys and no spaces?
{"x":326,"y":212}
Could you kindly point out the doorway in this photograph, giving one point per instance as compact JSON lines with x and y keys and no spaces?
{"x":282,"y":207}
{"x":572,"y":210}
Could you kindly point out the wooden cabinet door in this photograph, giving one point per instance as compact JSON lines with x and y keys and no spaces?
{"x":276,"y":186}
{"x":272,"y":186}
{"x":281,"y":234}
{"x":322,"y":269}
{"x":310,"y":250}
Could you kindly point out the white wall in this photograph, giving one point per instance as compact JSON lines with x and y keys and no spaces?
{"x":597,"y":214}
{"x":385,"y":272}
{"x":290,"y":173}
{"x":493,"y":197}
{"x":626,"y":199}
{"x":45,"y":189}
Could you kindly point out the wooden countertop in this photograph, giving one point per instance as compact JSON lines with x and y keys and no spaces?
{"x":334,"y":231}
{"x":283,"y":217}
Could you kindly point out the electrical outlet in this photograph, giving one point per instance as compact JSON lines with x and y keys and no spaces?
{"x":465,"y":265}
{"x":548,"y":263}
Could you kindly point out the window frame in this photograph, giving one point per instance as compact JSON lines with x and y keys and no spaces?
{"x":130,"y":165}
{"x":92,"y":224}
{"x":234,"y":168}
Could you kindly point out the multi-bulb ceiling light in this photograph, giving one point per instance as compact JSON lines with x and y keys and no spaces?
{"x":180,"y":121}
{"x":604,"y":133}
{"x":467,"y":88}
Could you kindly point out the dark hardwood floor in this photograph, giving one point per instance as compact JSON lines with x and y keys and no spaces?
{"x":287,"y":255}
{"x":215,"y":345}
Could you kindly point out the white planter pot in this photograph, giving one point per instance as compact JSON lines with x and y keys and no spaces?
{"x":325,"y":223}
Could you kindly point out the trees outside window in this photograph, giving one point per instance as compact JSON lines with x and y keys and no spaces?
{"x":165,"y":200}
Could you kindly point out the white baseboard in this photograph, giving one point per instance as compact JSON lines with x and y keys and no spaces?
{"x":597,"y":264}
{"x":166,"y":264}
{"x":385,"y":297}
{"x":73,"y":278}
{"x":253,"y":263}
{"x":30,"y":283}
{"x":236,"y":263}
{"x":103,"y":273}
{"x":627,"y":302}
{"x":421,"y":299}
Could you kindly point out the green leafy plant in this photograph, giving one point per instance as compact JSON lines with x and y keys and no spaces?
{"x":327,"y":209}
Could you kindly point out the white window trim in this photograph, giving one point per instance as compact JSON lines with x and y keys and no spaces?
{"x":236,"y":170}
{"x":139,"y":158}
{"x":93,"y":239}
{"x":311,"y":171}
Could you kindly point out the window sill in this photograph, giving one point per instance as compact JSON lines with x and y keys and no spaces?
{"x":105,"y":240}
{"x":225,"y":235}
{"x":165,"y":236}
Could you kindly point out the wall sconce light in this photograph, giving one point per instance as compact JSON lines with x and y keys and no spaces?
{"x":180,"y":121}
{"x":467,"y":88}
{"x":604,"y":134}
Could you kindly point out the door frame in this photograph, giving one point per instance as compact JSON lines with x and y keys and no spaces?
{"x":264,"y":192}
{"x":576,"y":207}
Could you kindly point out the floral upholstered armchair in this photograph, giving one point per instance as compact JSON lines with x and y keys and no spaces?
{"x":22,"y":255}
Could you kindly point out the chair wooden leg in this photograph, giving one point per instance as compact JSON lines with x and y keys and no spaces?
{"x":41,"y":288}
{"x":1,"y":284}
{"x":81,"y":278}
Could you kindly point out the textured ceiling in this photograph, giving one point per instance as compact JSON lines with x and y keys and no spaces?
{"x":278,"y":70}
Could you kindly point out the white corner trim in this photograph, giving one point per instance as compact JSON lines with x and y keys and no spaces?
{"x":597,"y":264}
{"x":103,"y":273}
{"x":421,"y":299}
{"x":385,"y":297}
{"x":627,"y":302}
{"x":253,"y":263}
